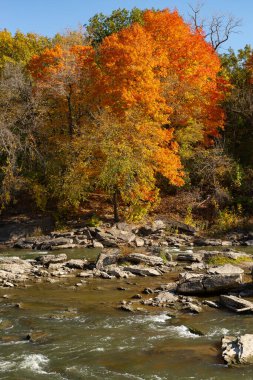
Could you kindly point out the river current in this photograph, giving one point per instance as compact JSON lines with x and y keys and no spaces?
{"x":83,"y":335}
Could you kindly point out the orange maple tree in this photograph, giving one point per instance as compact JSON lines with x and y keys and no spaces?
{"x":166,"y":68}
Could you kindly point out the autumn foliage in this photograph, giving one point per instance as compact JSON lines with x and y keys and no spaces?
{"x":115,"y":114}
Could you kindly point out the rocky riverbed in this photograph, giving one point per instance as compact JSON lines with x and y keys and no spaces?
{"x":165,"y":272}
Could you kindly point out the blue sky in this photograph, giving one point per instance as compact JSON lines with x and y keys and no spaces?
{"x":48,"y":17}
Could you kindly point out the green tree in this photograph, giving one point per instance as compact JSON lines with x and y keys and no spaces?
{"x":238,"y":131}
{"x":101,"y":26}
{"x":20,"y":47}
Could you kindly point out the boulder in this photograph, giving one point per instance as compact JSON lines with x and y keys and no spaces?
{"x":37,"y":337}
{"x":122,"y":236}
{"x":181,"y":227}
{"x":104,"y":237}
{"x":165,"y":299}
{"x":193,"y":283}
{"x":51,"y":259}
{"x":53,"y":242}
{"x":146,"y":230}
{"x":191,"y":257}
{"x":192,"y":308}
{"x":238,"y":350}
{"x":201,"y":242}
{"x":196,"y":267}
{"x":105,"y":259}
{"x":114,"y":270}
{"x":76,"y":263}
{"x":159,"y":225}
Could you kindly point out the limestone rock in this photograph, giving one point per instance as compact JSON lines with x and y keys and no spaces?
{"x":52,"y":259}
{"x":142,"y":271}
{"x":145,"y":259}
{"x":193,"y":283}
{"x":236,"y":304}
{"x":226,"y":269}
{"x":238,"y":350}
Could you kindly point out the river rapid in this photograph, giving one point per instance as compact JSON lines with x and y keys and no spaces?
{"x":83,"y":335}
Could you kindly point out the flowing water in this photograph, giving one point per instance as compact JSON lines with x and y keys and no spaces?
{"x":85,"y":336}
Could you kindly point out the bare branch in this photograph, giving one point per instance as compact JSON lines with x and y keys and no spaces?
{"x":218,"y":29}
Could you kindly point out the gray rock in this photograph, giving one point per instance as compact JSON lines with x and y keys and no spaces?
{"x":37,"y":337}
{"x":126,"y":307}
{"x":159,"y":225}
{"x":116,"y":271}
{"x":212,"y":304}
{"x":248,"y":243}
{"x":191,"y":257}
{"x":105,"y":259}
{"x":122,"y":236}
{"x":146,"y":231}
{"x":106,"y":238}
{"x":192,"y":308}
{"x":50,"y":259}
{"x":196,"y":266}
{"x":146,"y":259}
{"x":106,"y":276}
{"x":56,"y":234}
{"x":236,"y":304}
{"x":238,"y":350}
{"x":76,"y":263}
{"x":64,"y":246}
{"x":171,"y":286}
{"x":97,"y":244}
{"x":142,"y":271}
{"x":180,"y":227}
{"x":192,"y":283}
{"x":201,"y":242}
{"x":139,"y":242}
{"x":165,"y":299}
{"x":86,"y":274}
{"x":225,"y":269}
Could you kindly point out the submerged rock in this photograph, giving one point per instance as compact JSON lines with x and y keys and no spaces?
{"x":37,"y":337}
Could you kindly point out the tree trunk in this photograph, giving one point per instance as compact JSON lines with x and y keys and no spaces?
{"x":70,"y":113}
{"x":115,"y":206}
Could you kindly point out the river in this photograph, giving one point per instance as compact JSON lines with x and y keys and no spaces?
{"x":85,"y":336}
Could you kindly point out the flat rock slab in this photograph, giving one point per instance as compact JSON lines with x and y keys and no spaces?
{"x":142,"y":271}
{"x":146,"y":259}
{"x":191,"y":257}
{"x":193,"y":283}
{"x":238,"y":350}
{"x":225,"y":269}
{"x":52,"y":259}
{"x":236,"y":304}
